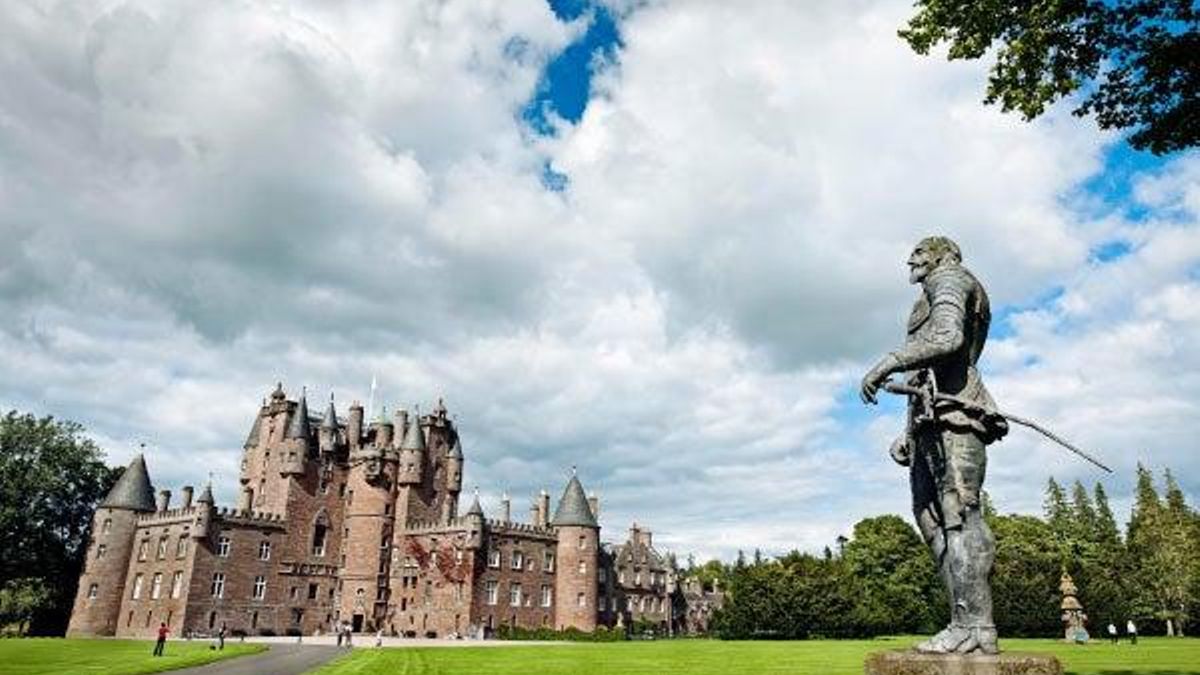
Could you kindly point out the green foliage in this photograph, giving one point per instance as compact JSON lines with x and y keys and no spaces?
{"x":1136,"y":63}
{"x":1026,"y":576}
{"x":601,"y":634}
{"x":19,"y":600}
{"x":51,"y":479}
{"x":900,"y":587}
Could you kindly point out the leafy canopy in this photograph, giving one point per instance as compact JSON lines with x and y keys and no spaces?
{"x":1135,"y":63}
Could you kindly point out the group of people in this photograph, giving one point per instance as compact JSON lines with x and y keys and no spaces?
{"x":1130,"y":633}
{"x":161,"y":643}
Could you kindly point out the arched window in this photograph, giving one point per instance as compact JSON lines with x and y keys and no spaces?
{"x":320,"y":534}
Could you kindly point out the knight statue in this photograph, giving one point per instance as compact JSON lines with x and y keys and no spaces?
{"x":944,"y":444}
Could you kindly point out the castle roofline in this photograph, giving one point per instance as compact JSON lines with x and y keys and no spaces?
{"x":132,"y":490}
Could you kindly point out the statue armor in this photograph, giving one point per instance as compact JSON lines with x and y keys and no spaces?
{"x":944,"y":444}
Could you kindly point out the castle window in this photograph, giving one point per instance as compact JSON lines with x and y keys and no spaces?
{"x":518,"y":560}
{"x":106,"y":526}
{"x":181,"y":546}
{"x":318,"y":547}
{"x":297,"y":615}
{"x":583,"y":567}
{"x":176,"y":584}
{"x":156,"y":586}
{"x":218,"y":585}
{"x":143,"y":548}
{"x":494,"y":558}
{"x":458,"y":591}
{"x":223,"y":546}
{"x":341,"y":489}
{"x":313,"y":589}
{"x":514,"y":595}
{"x":93,"y":591}
{"x":582,"y":543}
{"x":293,"y":592}
{"x":581,"y":600}
{"x":637,"y":579}
{"x":547,"y":595}
{"x":458,"y":555}
{"x":491,"y":592}
{"x":162,"y":547}
{"x":602,"y":575}
{"x":621,"y":577}
{"x":100,"y":551}
{"x":264,"y":550}
{"x":137,"y":587}
{"x":548,"y":561}
{"x":260,"y":587}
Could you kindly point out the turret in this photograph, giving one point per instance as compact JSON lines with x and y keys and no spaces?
{"x":296,"y":440}
{"x":474,"y":520}
{"x":327,"y":434}
{"x":383,"y":431}
{"x":578,"y":543}
{"x":204,"y":513}
{"x":412,"y":454}
{"x":114,"y":526}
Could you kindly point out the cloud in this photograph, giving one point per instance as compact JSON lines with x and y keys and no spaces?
{"x":200,"y":199}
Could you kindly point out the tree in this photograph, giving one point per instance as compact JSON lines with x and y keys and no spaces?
{"x":51,"y":479}
{"x":901,"y":589}
{"x":1025,"y":578}
{"x":20,"y":599}
{"x":1135,"y":63}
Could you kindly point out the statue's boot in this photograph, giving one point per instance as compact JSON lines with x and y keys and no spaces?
{"x":949,"y":640}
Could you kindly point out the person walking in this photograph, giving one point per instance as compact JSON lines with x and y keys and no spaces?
{"x":1112,"y":634}
{"x":162,"y":639}
{"x":221,"y":637}
{"x":379,"y":638}
{"x":1131,"y":631}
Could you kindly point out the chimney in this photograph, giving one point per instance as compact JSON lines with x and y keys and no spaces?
{"x":354,"y":425}
{"x":164,"y":500}
{"x":544,"y":509}
{"x":185,"y":493}
{"x":594,"y":505}
{"x":533,"y":512}
{"x":505,"y":508}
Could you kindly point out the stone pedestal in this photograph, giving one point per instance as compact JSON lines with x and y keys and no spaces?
{"x":915,"y":663}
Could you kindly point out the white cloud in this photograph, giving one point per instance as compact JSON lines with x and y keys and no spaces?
{"x":198,"y":199}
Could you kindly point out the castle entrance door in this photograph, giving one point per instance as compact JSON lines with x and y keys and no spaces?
{"x":356,"y":623}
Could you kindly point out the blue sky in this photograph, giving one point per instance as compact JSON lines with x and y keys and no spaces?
{"x":659,"y":241}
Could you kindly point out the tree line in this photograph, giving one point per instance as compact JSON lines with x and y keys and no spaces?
{"x":882,"y":581}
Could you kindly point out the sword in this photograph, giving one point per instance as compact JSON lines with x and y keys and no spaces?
{"x":929,"y":395}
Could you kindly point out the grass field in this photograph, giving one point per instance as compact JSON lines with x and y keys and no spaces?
{"x":111,"y":657}
{"x":1153,"y":656}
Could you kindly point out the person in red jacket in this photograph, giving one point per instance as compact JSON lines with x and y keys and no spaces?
{"x":162,"y":639}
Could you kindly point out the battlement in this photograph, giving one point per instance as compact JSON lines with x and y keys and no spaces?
{"x":513,"y":528}
{"x":168,"y":517}
{"x":295,"y":568}
{"x":434,"y":526}
{"x":251,"y":517}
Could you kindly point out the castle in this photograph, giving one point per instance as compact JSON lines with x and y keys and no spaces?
{"x":344,"y":521}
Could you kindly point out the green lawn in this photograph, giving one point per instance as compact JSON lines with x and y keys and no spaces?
{"x":1153,"y":656}
{"x":111,"y":657}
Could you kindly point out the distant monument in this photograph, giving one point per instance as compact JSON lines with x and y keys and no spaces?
{"x":951,"y":420}
{"x":1072,"y":611}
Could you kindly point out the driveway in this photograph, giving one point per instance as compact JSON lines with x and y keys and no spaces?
{"x":279,"y":659}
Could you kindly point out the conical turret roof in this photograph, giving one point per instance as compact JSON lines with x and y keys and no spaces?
{"x":414,"y":438}
{"x":573,"y":508}
{"x":299,"y":426}
{"x":133,"y":489}
{"x":330,"y":421}
{"x":252,"y":437}
{"x":206,"y":496}
{"x":476,"y":509}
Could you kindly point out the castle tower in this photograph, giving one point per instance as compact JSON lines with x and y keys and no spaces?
{"x":454,"y":468}
{"x":296,"y":440}
{"x":474,"y":520}
{"x":327,"y":434}
{"x":368,"y":526}
{"x":578,"y":543}
{"x":102,"y":583}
